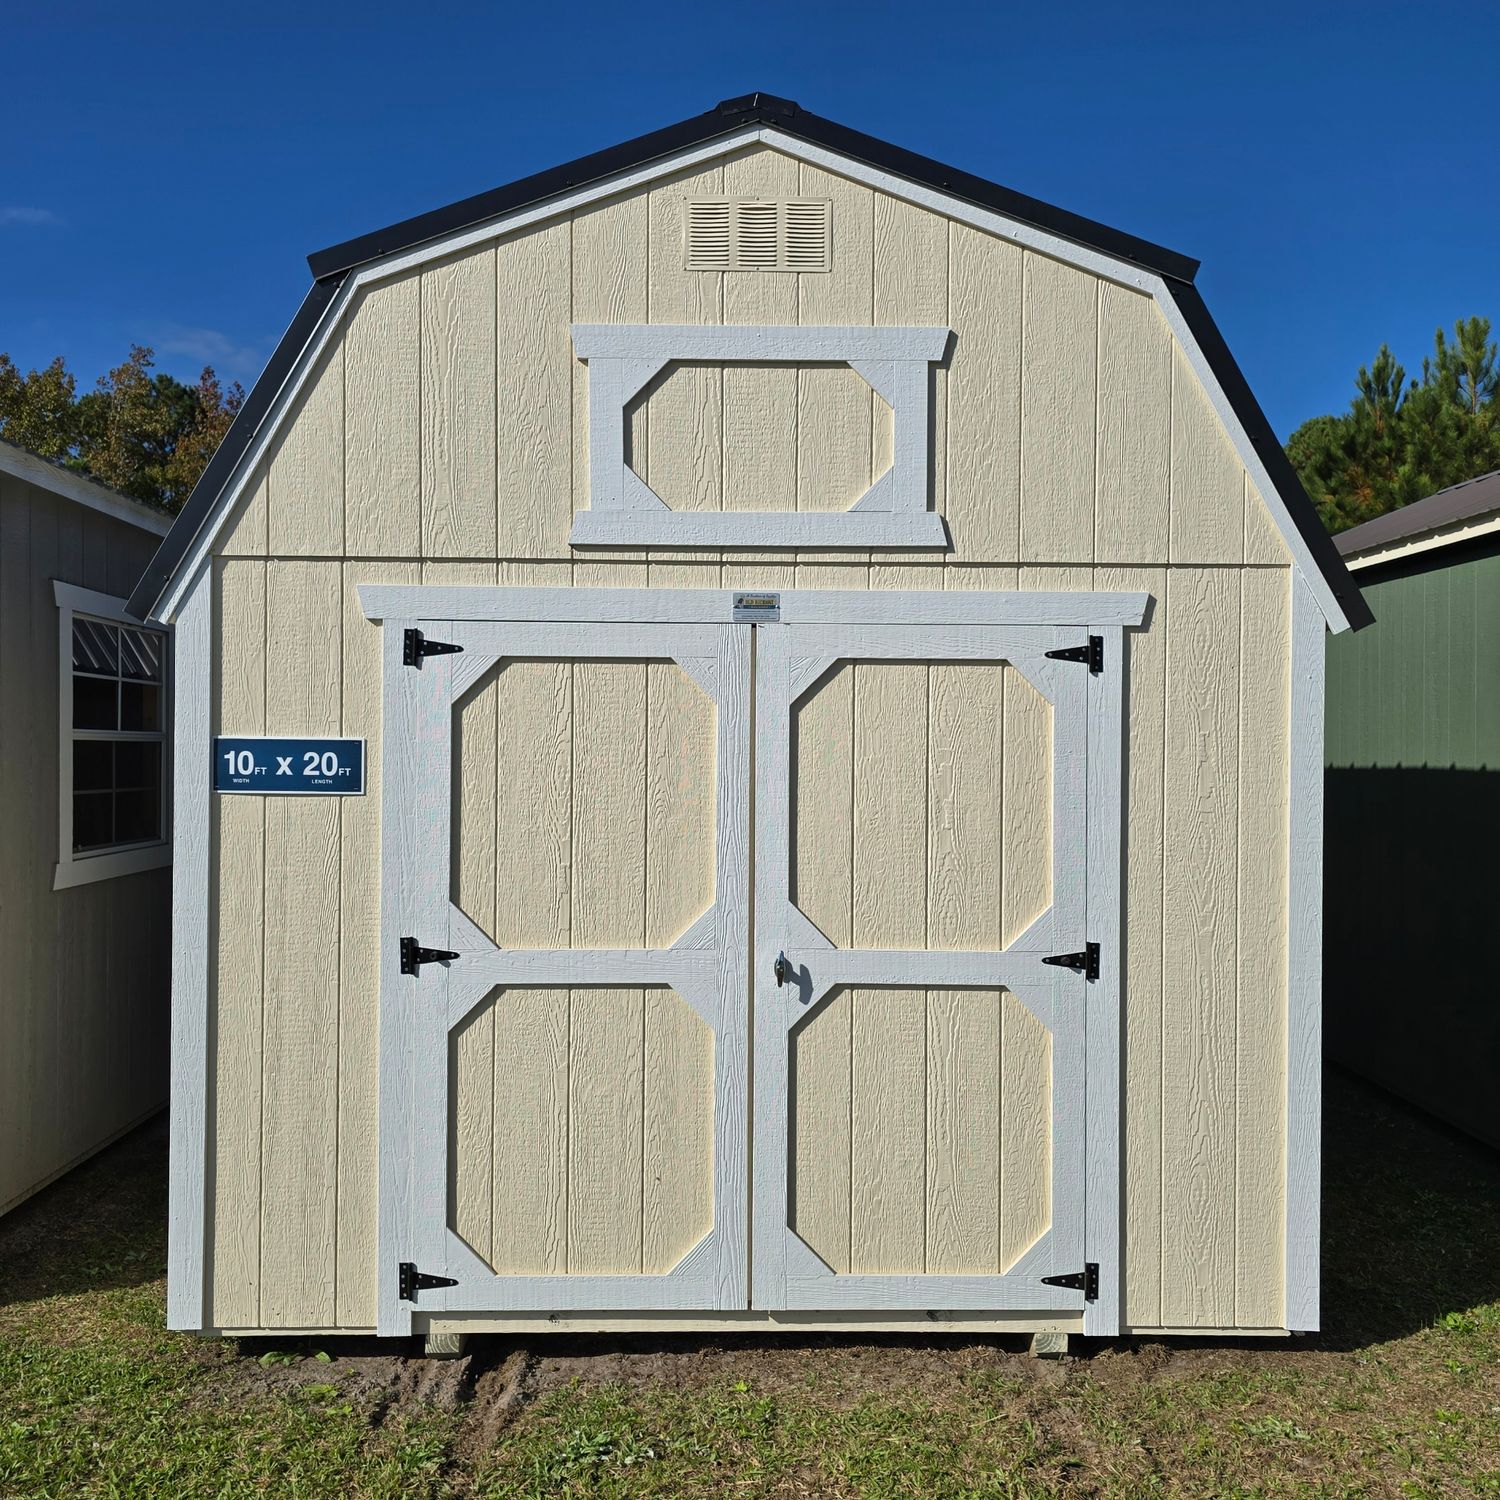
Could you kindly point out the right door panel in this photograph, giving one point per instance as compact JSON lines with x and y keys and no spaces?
{"x":921,"y":848}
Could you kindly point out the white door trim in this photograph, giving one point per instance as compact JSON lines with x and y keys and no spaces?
{"x":1088,"y":734}
{"x":707,"y":968}
{"x":386,"y":601}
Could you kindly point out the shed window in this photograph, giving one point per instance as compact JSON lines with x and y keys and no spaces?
{"x":112,"y":795}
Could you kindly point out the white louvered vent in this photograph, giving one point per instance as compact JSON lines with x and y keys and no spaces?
{"x":758,"y":234}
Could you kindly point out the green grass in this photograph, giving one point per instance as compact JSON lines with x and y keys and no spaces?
{"x":1400,"y":1397}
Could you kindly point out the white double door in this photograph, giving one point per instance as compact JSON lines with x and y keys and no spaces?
{"x":731,"y":965}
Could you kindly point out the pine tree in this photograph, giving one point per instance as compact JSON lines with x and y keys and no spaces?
{"x":1401,"y":441}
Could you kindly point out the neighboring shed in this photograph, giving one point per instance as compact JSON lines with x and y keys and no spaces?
{"x":84,"y":831}
{"x":550,"y":503}
{"x":1413,"y":788}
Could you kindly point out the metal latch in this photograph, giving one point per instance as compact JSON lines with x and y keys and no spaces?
{"x":413,"y":1281}
{"x":781,"y":968}
{"x":1085,"y":963}
{"x":1092,"y":654}
{"x":415,"y":645}
{"x":414,"y":955}
{"x":1085,"y":1281}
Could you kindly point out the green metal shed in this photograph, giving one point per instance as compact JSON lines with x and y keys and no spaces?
{"x":1413,"y":808}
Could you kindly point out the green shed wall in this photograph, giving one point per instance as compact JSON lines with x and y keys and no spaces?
{"x":1413,"y":839}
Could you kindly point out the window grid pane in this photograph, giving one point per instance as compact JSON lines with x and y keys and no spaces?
{"x":140,"y":655}
{"x":95,"y":646}
{"x":117,"y":762}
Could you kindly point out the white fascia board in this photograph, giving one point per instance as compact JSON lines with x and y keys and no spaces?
{"x":1093,"y":261}
{"x":1471,"y":529}
{"x":81,"y":490}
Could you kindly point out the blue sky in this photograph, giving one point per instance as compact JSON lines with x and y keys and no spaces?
{"x":168,"y":167}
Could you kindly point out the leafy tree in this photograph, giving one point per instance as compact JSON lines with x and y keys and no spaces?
{"x":1400,"y":440}
{"x":37,"y":410}
{"x":143,"y":433}
{"x":214,"y":410}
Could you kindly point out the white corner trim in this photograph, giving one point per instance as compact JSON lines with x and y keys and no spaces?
{"x":1028,"y":237}
{"x":624,"y":511}
{"x":78,"y":488}
{"x":72,"y":870}
{"x":186,"y":1208}
{"x":1304,"y":1120}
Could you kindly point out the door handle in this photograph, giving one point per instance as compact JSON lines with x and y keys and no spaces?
{"x":781,"y":969}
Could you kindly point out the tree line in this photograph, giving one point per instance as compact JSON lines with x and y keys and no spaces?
{"x":1402,"y":440}
{"x":140,"y":431}
{"x":148,"y":435}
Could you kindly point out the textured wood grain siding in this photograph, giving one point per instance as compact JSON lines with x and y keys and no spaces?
{"x":444,"y":438}
{"x":83,"y":1019}
{"x":581,"y":1135}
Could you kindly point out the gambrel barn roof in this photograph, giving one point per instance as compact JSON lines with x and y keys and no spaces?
{"x":781,"y":123}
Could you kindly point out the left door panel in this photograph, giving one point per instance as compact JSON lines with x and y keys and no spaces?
{"x":564,"y":1099}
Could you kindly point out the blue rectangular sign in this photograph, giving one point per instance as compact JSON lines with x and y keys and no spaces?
{"x":321,"y":767}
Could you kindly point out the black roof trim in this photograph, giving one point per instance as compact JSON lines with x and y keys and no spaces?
{"x":728,"y":116}
{"x":241,"y":434}
{"x":1268,"y":449}
{"x":330,"y":267}
{"x":1446,"y":507}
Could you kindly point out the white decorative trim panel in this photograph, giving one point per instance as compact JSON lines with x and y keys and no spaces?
{"x":625,"y":511}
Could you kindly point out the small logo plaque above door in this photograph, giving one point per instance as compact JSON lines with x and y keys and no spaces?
{"x":751,"y":609}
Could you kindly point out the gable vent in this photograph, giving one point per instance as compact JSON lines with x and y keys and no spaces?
{"x":758,"y":234}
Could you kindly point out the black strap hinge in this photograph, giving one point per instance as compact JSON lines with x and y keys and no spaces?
{"x":414,"y":1281}
{"x":414,"y":955}
{"x":1085,"y":963}
{"x":1092,"y":654}
{"x":1085,"y":1281}
{"x":415,"y":645}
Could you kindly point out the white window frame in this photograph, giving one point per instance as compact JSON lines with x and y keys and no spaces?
{"x":74,"y":869}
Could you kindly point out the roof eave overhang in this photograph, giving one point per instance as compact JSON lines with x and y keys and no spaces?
{"x":728,"y":118}
{"x":733,"y":118}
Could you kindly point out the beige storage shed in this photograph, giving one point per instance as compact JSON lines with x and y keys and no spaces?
{"x":814,"y":665}
{"x":85,"y":825}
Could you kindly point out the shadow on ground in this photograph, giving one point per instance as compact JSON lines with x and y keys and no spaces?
{"x":102,"y":1226}
{"x":1411,"y":1217}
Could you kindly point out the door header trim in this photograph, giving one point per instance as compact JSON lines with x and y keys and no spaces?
{"x":381,"y":601}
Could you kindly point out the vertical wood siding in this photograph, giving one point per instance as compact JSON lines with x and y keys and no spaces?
{"x":583,"y":1120}
{"x":445,"y":439}
{"x":83,"y":1000}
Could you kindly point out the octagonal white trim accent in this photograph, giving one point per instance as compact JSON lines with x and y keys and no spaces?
{"x":624,"y":511}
